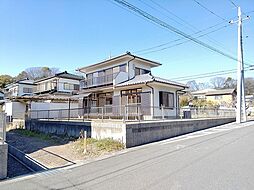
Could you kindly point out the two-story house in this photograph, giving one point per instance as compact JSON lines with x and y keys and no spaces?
{"x":127,"y":81}
{"x":61,"y":83}
{"x":19,"y":88}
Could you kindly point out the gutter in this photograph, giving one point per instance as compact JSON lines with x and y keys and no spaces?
{"x":177,"y":100}
{"x":128,"y":63}
{"x":152,"y":98}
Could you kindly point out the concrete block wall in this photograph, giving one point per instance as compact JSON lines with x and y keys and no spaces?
{"x":109,"y":129}
{"x":146,"y":132}
{"x":65,"y":128}
{"x":3,"y":160}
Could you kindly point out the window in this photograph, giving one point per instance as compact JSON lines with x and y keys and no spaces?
{"x":123,"y":68}
{"x":133,"y":95}
{"x":68,"y":86}
{"x":76,"y":87}
{"x":139,"y":71}
{"x":166,"y":99}
{"x":27,"y":90}
{"x":218,"y":97}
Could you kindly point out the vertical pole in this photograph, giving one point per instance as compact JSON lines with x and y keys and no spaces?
{"x":85,"y":143}
{"x":241,"y":106}
{"x":69,"y":109}
{"x":162,"y":112}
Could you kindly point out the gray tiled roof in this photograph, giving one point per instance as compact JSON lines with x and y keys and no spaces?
{"x":220,"y":92}
{"x":140,"y":79}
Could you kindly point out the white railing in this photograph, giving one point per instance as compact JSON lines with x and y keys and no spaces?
{"x":97,"y":81}
{"x":130,"y":112}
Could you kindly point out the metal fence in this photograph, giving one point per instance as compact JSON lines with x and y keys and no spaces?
{"x":2,"y":127}
{"x":129,"y":112}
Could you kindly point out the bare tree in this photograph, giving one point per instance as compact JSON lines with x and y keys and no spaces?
{"x":217,"y":82}
{"x":230,"y":83}
{"x":249,"y":86}
{"x":35,"y":73}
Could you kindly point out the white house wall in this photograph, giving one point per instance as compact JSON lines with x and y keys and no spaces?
{"x":21,"y":89}
{"x":64,"y":80}
{"x":15,"y":109}
{"x":157,"y":109}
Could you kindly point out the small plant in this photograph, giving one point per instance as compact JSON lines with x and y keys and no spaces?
{"x":33,"y":134}
{"x":96,"y":147}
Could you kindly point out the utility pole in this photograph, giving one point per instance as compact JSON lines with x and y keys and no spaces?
{"x":241,"y":105}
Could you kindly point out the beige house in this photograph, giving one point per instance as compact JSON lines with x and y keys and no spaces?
{"x":222,"y":97}
{"x":125,"y":85}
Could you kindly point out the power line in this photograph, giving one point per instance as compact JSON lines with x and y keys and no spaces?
{"x":206,"y":75}
{"x":192,"y":27}
{"x":171,"y":28}
{"x":152,"y":51}
{"x":163,"y":44}
{"x":212,"y":12}
{"x":233,"y":3}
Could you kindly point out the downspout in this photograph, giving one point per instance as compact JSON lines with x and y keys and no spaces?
{"x":177,"y":100}
{"x":152,"y":99}
{"x":128,"y":63}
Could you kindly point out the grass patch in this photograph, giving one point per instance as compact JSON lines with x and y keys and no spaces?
{"x":28,"y":133}
{"x":96,"y":147}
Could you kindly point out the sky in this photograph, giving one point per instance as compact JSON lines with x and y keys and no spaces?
{"x":69,"y":34}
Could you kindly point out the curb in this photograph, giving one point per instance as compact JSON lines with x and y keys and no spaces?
{"x":27,"y":160}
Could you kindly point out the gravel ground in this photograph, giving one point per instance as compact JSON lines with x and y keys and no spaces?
{"x":50,"y":153}
{"x":15,"y":168}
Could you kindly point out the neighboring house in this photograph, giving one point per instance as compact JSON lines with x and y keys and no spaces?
{"x":201,"y":94}
{"x":126,"y":81}
{"x":62,"y":83}
{"x":19,"y":88}
{"x":222,"y":97}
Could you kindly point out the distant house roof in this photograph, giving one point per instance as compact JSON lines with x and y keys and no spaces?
{"x":145,"y":78}
{"x":126,"y":55}
{"x":220,"y":92}
{"x":23,"y":81}
{"x":202,"y":92}
{"x":64,"y":74}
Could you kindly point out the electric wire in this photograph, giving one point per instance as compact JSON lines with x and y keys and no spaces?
{"x":212,"y":12}
{"x":171,"y":28}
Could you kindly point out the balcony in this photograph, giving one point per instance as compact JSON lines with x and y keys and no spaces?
{"x":43,"y":88}
{"x":98,"y":81}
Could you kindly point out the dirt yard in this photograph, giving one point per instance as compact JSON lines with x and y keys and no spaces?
{"x":55,"y":152}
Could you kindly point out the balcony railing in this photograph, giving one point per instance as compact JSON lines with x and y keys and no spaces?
{"x":97,"y":81}
{"x":38,"y":89}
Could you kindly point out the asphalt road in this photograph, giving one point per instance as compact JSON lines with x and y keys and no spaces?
{"x":217,"y":158}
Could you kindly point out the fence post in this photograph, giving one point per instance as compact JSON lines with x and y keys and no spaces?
{"x":4,"y":126}
{"x":102,"y":112}
{"x":85,"y":143}
{"x":48,"y":115}
{"x":162,"y":112}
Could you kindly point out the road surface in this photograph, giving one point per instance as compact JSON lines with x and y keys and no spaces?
{"x":217,"y":158}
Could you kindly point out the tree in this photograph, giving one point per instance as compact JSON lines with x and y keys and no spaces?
{"x":193,"y":86}
{"x":217,"y":82}
{"x":35,"y":73}
{"x":22,"y":75}
{"x":5,"y":80}
{"x":249,"y":86}
{"x":230,"y":83}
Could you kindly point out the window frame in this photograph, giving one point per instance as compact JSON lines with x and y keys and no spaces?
{"x":167,"y":99}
